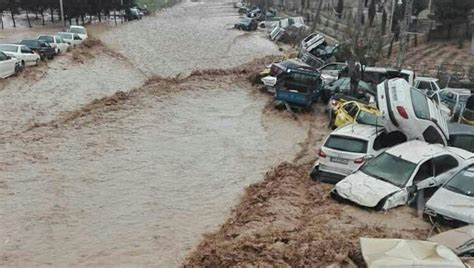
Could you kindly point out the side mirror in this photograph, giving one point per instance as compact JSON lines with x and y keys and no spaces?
{"x":412,"y":189}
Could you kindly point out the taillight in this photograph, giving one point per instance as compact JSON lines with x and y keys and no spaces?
{"x":403,"y":113}
{"x":321,"y":153}
{"x":359,"y":160}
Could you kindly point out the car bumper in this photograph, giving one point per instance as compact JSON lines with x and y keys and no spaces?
{"x":433,"y":216}
{"x":325,"y":176}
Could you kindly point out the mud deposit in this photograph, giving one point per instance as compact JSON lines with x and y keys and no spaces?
{"x":290,"y":221}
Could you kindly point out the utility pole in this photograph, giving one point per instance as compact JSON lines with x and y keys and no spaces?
{"x":62,"y":13}
{"x":404,"y":33}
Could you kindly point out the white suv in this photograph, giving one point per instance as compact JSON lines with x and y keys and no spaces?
{"x":347,"y":148}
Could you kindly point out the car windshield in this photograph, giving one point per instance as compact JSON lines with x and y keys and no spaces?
{"x":420,"y":104}
{"x":8,"y":48}
{"x":48,"y":39}
{"x":77,"y":30}
{"x":462,"y":183}
{"x":389,"y":168}
{"x":369,"y":119}
{"x":346,"y":144}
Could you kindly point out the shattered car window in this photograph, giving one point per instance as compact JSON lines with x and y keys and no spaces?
{"x":462,"y":183}
{"x":389,"y":168}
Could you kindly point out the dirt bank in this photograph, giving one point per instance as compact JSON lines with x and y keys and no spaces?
{"x":290,"y":221}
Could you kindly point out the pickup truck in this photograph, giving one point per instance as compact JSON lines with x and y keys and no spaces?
{"x":298,"y":88}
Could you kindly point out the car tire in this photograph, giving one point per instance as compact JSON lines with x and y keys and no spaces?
{"x":315,"y":174}
{"x":23,"y":63}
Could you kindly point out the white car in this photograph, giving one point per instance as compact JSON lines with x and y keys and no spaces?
{"x":72,"y":39}
{"x":81,"y":31}
{"x":22,"y":53}
{"x":346,"y":149}
{"x":8,"y":65}
{"x":330,"y":72}
{"x":427,"y":83}
{"x":407,"y":110}
{"x":56,"y":42}
{"x":394,"y":177}
{"x":453,"y":203}
{"x":376,"y":75}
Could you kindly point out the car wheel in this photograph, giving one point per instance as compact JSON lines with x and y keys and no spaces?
{"x":23,"y":63}
{"x":314,"y":174}
{"x":37,"y":61}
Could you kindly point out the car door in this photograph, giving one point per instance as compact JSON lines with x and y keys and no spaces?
{"x":27,"y":54}
{"x":346,"y":114}
{"x":445,"y":166}
{"x":424,"y":177}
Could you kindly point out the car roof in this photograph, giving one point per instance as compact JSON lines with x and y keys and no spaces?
{"x":460,"y":152}
{"x":360,"y":131}
{"x":416,"y":151}
{"x":76,"y":26}
{"x":457,"y":129}
{"x":16,"y":45}
{"x":426,"y":79}
{"x":386,"y":69}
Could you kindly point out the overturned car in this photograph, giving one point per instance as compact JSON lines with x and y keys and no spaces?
{"x":410,"y":112}
{"x":394,"y":177}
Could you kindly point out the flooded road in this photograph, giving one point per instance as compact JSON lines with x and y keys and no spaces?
{"x":138,"y":186}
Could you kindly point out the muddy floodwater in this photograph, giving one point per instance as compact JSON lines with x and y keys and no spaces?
{"x":140,"y":186}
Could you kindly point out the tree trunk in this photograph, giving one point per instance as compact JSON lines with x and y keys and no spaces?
{"x":52,"y":14}
{"x":318,"y":12}
{"x":390,"y":47}
{"x":77,"y":20}
{"x":100,"y":18}
{"x":449,"y":30}
{"x":1,"y":19}
{"x":28,"y":19}
{"x":42,"y":17}
{"x":82,"y":18}
{"x":13,"y":18}
{"x":115,"y":17}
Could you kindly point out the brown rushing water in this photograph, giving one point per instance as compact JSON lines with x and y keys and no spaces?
{"x":138,"y":187}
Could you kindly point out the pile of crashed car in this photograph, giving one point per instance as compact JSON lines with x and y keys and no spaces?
{"x":397,"y":138}
{"x":279,"y":28}
{"x":16,"y":56}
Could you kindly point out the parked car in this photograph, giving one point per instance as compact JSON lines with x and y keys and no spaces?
{"x":461,"y":136}
{"x":40,"y":47}
{"x":298,"y":88}
{"x":376,"y":75}
{"x":132,"y":14}
{"x":467,"y":112}
{"x":79,"y":30}
{"x":343,"y":86}
{"x":8,"y":65}
{"x":345,"y":112}
{"x":56,"y":42}
{"x":454,"y":99}
{"x":395,"y":176}
{"x":71,"y":38}
{"x":408,"y":110}
{"x":402,"y":253}
{"x":346,"y":149}
{"x":22,"y":53}
{"x":315,"y":51}
{"x":247,"y":24}
{"x":453,"y":203}
{"x":459,"y":240}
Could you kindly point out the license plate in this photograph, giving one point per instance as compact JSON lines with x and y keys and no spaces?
{"x":339,"y":160}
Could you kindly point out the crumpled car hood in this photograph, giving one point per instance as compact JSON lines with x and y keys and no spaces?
{"x":364,"y":190}
{"x":453,"y":205}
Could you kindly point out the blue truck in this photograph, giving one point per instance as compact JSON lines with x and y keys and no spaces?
{"x":298,"y":88}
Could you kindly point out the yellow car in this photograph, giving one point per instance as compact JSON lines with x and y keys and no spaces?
{"x":345,"y":112}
